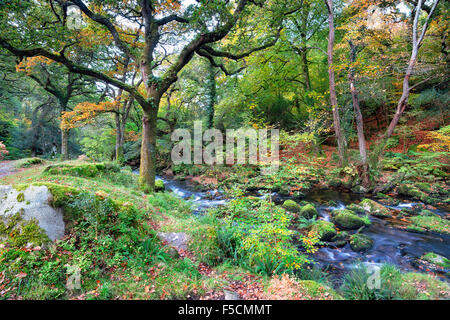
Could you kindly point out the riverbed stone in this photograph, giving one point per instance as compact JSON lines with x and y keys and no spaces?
{"x":436,"y":259}
{"x":32,"y":204}
{"x":291,"y":206}
{"x":308,"y":211}
{"x":374,"y":208}
{"x":359,"y":189}
{"x":360,"y":242}
{"x":324,"y":229}
{"x":346,"y":219}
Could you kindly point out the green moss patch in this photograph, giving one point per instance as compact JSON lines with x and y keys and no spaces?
{"x":28,"y":162}
{"x":429,"y":223}
{"x":325,"y":229}
{"x":436,"y":259}
{"x":18,"y":232}
{"x":89,"y":170}
{"x":291,"y":206}
{"x":360,"y":242}
{"x":374,"y":208}
{"x":348,"y":220}
{"x":308,"y":211}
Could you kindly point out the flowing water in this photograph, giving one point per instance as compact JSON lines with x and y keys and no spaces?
{"x":391,"y":244}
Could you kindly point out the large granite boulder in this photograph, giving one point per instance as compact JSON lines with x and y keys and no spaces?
{"x":31,"y":204}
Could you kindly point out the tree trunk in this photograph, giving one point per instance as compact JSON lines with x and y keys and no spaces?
{"x":333,"y":98}
{"x":64,"y":144}
{"x":119,"y":133}
{"x":211,"y":95}
{"x":306,"y":69}
{"x":363,"y":168}
{"x":355,"y":100}
{"x":147,"y":170}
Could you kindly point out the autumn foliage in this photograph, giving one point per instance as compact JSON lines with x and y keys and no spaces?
{"x":85,"y":112}
{"x":3,"y":150}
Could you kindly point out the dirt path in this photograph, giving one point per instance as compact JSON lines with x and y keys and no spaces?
{"x":7,"y":168}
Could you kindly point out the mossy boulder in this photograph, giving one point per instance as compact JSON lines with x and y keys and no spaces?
{"x":308,"y":211}
{"x":355,"y":208}
{"x":346,"y":219}
{"x":374,"y":208}
{"x":340,"y":239}
{"x":159,"y":185}
{"x":359,"y":189}
{"x":341,"y":235}
{"x":291,"y":206}
{"x":360,"y":242}
{"x":415,"y":193}
{"x":19,"y":232}
{"x":428,"y":213}
{"x":429,"y":223}
{"x":436,"y":259}
{"x":324,"y":229}
{"x":25,"y":214}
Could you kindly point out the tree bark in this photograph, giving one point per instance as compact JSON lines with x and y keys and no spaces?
{"x":119,"y":133}
{"x":64,"y":144}
{"x":363,"y":168}
{"x":333,"y":98}
{"x":355,"y":100}
{"x":147,"y":169}
{"x":211,"y":95}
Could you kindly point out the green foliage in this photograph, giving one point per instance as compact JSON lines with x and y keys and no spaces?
{"x":259,"y":232}
{"x":426,"y":166}
{"x":98,"y":146}
{"x":361,"y":284}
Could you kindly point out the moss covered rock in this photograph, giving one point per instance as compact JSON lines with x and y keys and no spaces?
{"x":360,"y":242}
{"x":359,"y":189}
{"x":429,"y":223}
{"x":428,"y":213}
{"x":291,"y":206}
{"x":325,"y":229}
{"x":346,"y":219}
{"x":355,"y":208}
{"x":308,"y":211}
{"x":374,"y":208}
{"x":415,"y":193}
{"x":27,"y":217}
{"x":159,"y":185}
{"x":436,"y":259}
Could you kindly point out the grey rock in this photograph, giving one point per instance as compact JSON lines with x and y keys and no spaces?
{"x":231,"y":295}
{"x":34,"y":203}
{"x":178,"y":240}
